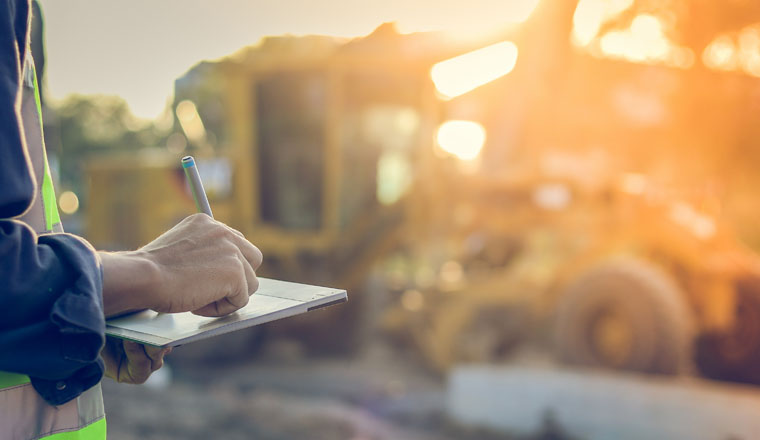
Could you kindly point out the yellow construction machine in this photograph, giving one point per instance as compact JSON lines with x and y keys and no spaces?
{"x":524,"y":209}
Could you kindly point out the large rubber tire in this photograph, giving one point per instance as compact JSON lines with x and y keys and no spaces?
{"x":735,"y":356}
{"x":639,"y":298}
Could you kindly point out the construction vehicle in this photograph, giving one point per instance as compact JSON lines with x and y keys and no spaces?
{"x":289,"y":149}
{"x":324,"y":156}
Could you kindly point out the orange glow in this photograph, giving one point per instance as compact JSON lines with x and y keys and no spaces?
{"x":463,"y":73}
{"x":633,"y":183}
{"x":645,"y":42}
{"x":682,"y":57}
{"x":463,"y":139}
{"x":483,"y":19}
{"x":516,"y":11}
{"x":733,"y":53}
{"x":749,"y":50}
{"x":590,"y":15}
{"x":720,"y":54}
{"x":702,"y":226}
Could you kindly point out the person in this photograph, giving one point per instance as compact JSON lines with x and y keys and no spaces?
{"x":57,"y":290}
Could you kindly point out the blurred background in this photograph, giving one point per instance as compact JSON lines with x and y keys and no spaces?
{"x":544,"y":211}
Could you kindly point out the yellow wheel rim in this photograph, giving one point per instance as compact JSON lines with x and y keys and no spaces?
{"x":612,"y":337}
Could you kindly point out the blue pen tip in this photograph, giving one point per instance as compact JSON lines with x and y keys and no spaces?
{"x":188,"y":161}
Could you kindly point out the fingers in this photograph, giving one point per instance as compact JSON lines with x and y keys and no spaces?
{"x":138,"y":366}
{"x":156,"y":355}
{"x":251,"y":253}
{"x":139,"y":362}
{"x":217,"y":308}
{"x":113,"y":355}
{"x":238,"y":297}
{"x":252,"y":283}
{"x":211,"y":267}
{"x":235,"y":231}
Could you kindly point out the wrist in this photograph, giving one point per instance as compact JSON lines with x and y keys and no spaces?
{"x":129,"y":278}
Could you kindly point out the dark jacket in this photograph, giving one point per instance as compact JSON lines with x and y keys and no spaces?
{"x":51,"y":308}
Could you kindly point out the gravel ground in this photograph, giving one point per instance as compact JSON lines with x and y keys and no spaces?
{"x":284,"y":394}
{"x":287,"y":397}
{"x":257,"y":401}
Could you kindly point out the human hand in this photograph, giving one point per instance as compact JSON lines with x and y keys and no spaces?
{"x":207,"y":268}
{"x":130,"y":362}
{"x":200,"y":265}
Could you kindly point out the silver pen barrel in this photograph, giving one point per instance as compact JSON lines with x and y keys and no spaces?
{"x":196,"y":186}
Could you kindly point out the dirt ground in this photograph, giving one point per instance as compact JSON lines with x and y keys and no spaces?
{"x":287,"y":395}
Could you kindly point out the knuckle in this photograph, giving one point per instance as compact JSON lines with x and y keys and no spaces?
{"x":232,"y":267}
{"x":258,"y":258}
{"x":217,"y":229}
{"x":233,"y":271}
{"x":196,"y":218}
{"x":240,"y":264}
{"x":228,"y":247}
{"x":242,"y":300}
{"x":229,"y":233}
{"x":253,"y":285}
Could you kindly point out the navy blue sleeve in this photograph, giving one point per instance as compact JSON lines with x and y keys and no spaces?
{"x":52,"y":325}
{"x":16,"y":181}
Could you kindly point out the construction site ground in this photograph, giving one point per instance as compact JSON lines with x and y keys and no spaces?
{"x":283,"y":393}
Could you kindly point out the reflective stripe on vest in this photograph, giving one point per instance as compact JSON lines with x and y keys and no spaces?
{"x":24,"y":415}
{"x":43,"y":215}
{"x":52,"y":218}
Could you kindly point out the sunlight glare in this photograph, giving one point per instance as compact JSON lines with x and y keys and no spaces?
{"x":68,"y":202}
{"x":459,"y":75}
{"x":645,"y":42}
{"x":720,"y":54}
{"x":590,"y":15}
{"x":736,"y":52}
{"x":394,"y":177}
{"x":190,"y":121}
{"x":463,"y":139}
{"x":749,"y":50}
{"x":482,"y":19}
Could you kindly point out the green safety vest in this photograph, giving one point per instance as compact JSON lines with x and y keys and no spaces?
{"x":24,"y":415}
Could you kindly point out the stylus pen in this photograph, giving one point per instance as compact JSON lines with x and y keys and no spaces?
{"x":196,"y":186}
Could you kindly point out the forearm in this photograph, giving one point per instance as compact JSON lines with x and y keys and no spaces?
{"x":128,"y":280}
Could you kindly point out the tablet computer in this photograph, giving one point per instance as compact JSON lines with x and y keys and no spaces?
{"x":273,"y":300}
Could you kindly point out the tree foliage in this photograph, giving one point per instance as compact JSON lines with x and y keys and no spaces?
{"x":81,"y":127}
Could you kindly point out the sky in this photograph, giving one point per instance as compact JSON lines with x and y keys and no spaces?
{"x":135,"y":49}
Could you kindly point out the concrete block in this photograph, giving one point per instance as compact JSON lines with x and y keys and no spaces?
{"x":600,"y":405}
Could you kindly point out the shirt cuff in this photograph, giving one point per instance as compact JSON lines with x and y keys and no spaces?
{"x":78,"y":312}
{"x":78,"y":315}
{"x":58,"y":392}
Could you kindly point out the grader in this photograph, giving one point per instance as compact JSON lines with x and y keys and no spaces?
{"x":324,"y":156}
